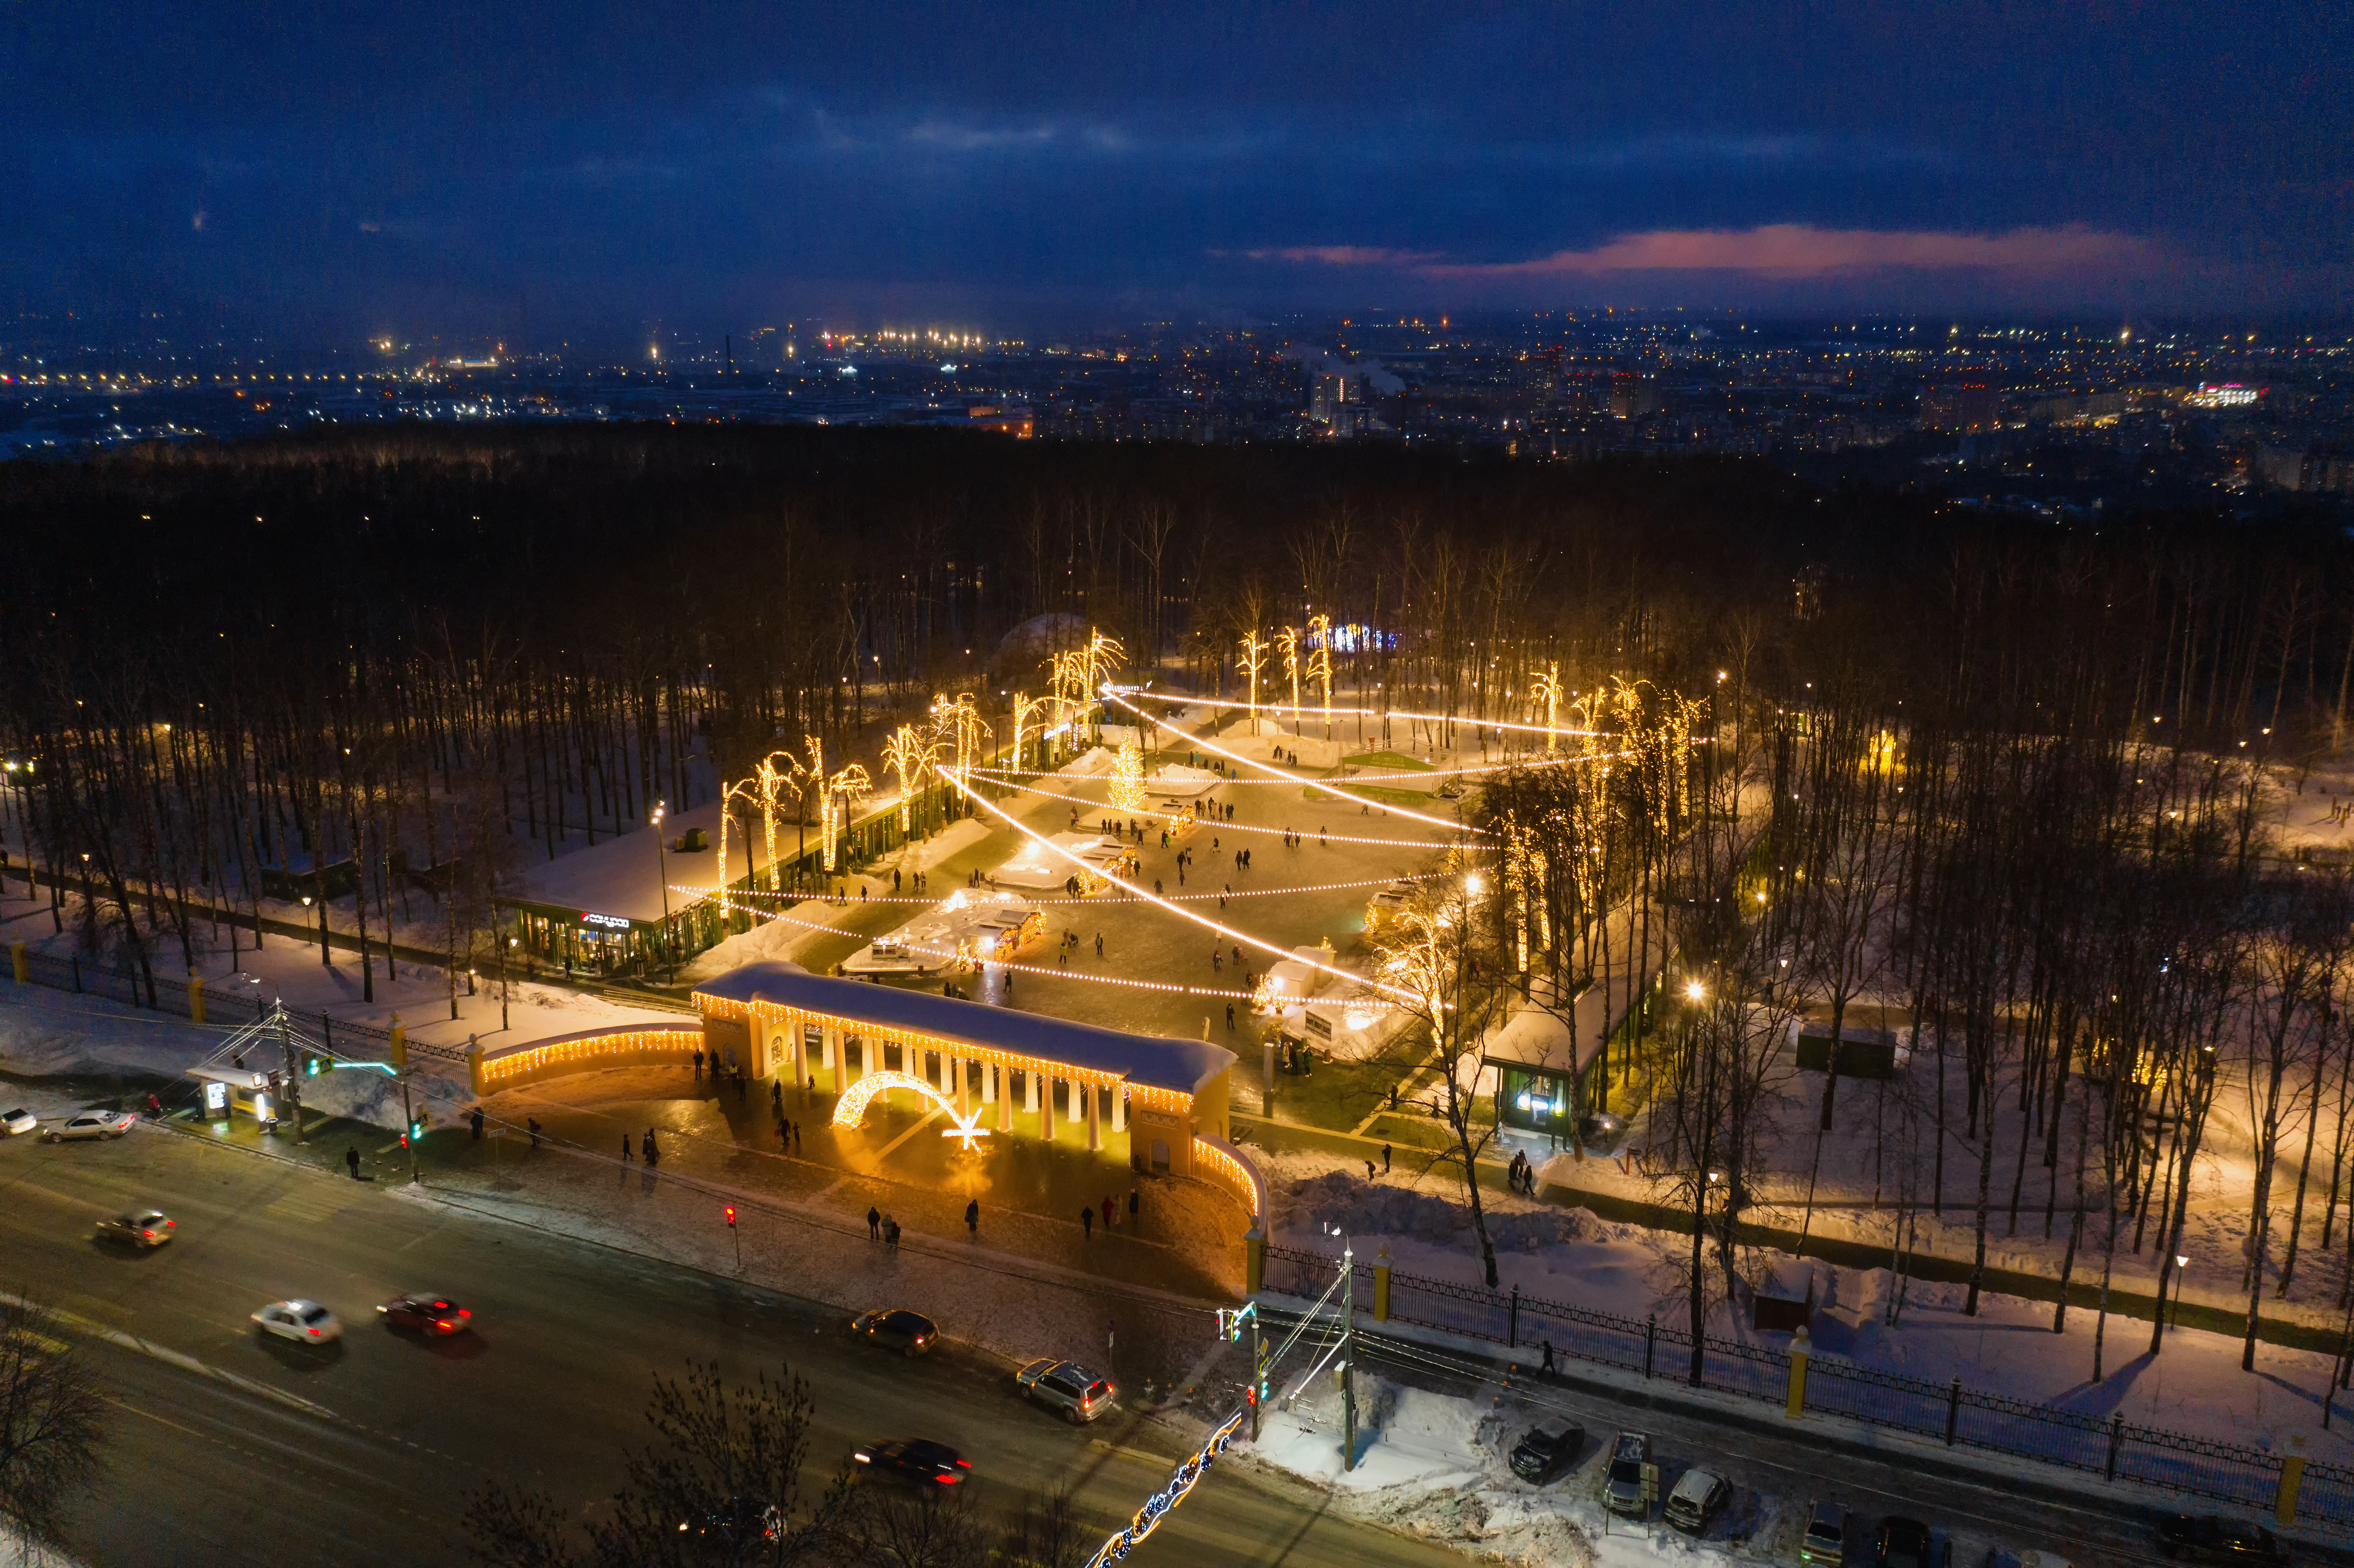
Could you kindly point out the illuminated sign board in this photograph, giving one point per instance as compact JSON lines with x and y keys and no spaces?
{"x":606,"y":922}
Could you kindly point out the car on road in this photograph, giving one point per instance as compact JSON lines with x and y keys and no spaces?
{"x":1066,"y":1387}
{"x":918,"y":1459}
{"x":1623,"y":1488}
{"x":305,"y":1322}
{"x":1907,"y":1543}
{"x":1698,"y":1498}
{"x":2211,"y":1537}
{"x":1548,"y":1451}
{"x":426,"y":1313}
{"x":1825,"y":1543}
{"x":19,"y":1120}
{"x":896,"y":1329}
{"x":139,"y":1227}
{"x":92,"y":1124}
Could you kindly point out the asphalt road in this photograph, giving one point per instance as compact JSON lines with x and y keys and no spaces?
{"x":221,"y":1462}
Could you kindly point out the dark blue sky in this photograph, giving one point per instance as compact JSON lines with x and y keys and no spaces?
{"x":586,"y":171}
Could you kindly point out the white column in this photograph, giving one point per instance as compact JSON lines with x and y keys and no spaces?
{"x":1004,"y":1103}
{"x":1095,"y":1116}
{"x":989,"y":1071}
{"x":1120,"y":1108}
{"x":1046,"y":1111}
{"x":1030,"y":1092}
{"x":963,"y":1087}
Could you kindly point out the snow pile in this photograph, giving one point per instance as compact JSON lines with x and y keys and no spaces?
{"x":1365,"y":1210}
{"x":771,"y":941}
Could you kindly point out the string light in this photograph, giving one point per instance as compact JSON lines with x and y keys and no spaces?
{"x":997,"y":773}
{"x":1184,"y":701}
{"x":1221,"y":928}
{"x":1225,"y":827}
{"x":1325,"y":785}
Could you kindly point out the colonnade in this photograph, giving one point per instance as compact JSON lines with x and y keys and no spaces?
{"x":845,"y":1057}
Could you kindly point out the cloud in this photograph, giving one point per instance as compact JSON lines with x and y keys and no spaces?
{"x":1343,"y":256}
{"x":1802,"y":250}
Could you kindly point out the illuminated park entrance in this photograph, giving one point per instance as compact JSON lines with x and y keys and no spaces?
{"x":983,"y":1067}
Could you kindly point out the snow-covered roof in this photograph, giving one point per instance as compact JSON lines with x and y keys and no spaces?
{"x":1535,"y":1036}
{"x":1184,"y":1066}
{"x":1178,"y":782}
{"x":1036,"y":866}
{"x":623,"y":876}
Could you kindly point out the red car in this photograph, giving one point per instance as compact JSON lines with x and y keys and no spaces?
{"x":427,"y":1314}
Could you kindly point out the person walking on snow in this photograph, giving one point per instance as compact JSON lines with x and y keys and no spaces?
{"x":1087,"y":1221}
{"x":352,"y":1158}
{"x":873,"y":1224}
{"x":972,"y":1219}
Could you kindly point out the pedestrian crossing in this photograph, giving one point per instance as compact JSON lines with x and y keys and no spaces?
{"x":310,"y":1202}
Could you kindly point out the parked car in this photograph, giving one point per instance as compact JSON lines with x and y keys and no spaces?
{"x":1698,"y":1498}
{"x":2211,"y":1537}
{"x":427,"y":1314}
{"x":1907,"y":1543}
{"x":1825,"y":1542}
{"x":1066,"y":1386}
{"x":139,"y":1227}
{"x":18,"y":1121}
{"x":917,"y":1459}
{"x":92,"y":1124}
{"x":1548,"y":1451}
{"x":305,"y":1322}
{"x":898,"y":1328}
{"x":1622,"y":1486}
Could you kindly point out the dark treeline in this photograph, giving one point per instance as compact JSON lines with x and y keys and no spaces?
{"x":391,"y":667}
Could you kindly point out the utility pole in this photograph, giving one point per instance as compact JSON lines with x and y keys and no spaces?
{"x":293,"y":1077}
{"x":408,"y":1127}
{"x":1348,"y":1356}
{"x":1258,"y":1373}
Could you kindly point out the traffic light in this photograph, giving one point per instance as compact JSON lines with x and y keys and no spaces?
{"x":731,"y":1216}
{"x":1232,"y":1318}
{"x":311,"y":1065}
{"x":416,"y":1129}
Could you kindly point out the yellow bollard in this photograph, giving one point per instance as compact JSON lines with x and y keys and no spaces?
{"x":474,"y":1064}
{"x":2292,"y":1477}
{"x":1801,"y":1349}
{"x":23,"y":965}
{"x":195,"y":997}
{"x":397,"y":1047}
{"x":1382,"y":1287}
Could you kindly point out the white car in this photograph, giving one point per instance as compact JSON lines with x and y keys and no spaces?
{"x":93,"y":1124}
{"x":17,"y":1121}
{"x":305,"y":1322}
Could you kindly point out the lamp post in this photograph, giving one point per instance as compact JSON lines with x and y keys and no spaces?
{"x":662,"y":871}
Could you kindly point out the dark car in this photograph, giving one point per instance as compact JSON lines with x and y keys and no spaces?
{"x":138,"y":1227}
{"x":918,"y":1459}
{"x":1548,"y":1451}
{"x":1905,"y":1543}
{"x":427,"y":1314}
{"x":2209,"y":1538}
{"x":898,"y":1328}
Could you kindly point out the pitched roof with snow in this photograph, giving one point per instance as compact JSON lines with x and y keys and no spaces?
{"x":1184,"y":1066}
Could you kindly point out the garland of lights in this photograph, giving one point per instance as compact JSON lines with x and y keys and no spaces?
{"x":1224,"y":826}
{"x":1156,"y":1507}
{"x":1099,"y":902}
{"x":1368,"y":712}
{"x":1223,"y":930}
{"x":996,"y":774}
{"x":1323,"y":784}
{"x":851,"y":1108}
{"x":730,"y":905}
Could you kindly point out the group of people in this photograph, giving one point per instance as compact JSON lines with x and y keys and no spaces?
{"x":922,"y":879}
{"x":882,"y":1228}
{"x":649,"y":1148}
{"x":1521,"y":1175}
{"x":1110,"y":1213}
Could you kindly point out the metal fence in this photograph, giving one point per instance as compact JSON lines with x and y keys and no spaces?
{"x":2110,"y":1447}
{"x":230,"y":1005}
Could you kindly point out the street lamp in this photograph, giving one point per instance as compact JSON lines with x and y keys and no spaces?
{"x":2181,"y":1268}
{"x":662,"y":869}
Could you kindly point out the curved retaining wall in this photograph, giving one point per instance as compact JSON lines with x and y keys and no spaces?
{"x":1221,"y":1164}
{"x":513,"y":1066}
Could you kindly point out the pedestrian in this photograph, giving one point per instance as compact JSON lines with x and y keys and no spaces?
{"x":1369,"y":1169}
{"x":1132,"y":1202}
{"x":352,"y":1158}
{"x":972,"y":1219}
{"x":533,"y":1123}
{"x":895,"y":880}
{"x":475,"y":1121}
{"x":1230,"y":1015}
{"x":1100,"y":944}
{"x":625,"y":1148}
{"x":1109,"y":1212}
{"x":698,"y":1061}
{"x":154,"y":1108}
{"x":796,"y":1137}
{"x":785,"y":1134}
{"x":1087,"y":1219}
{"x":776,"y":1094}
{"x":873,"y":1224}
{"x":1112,"y":1335}
{"x":890,"y":1234}
{"x":1548,"y":1356}
{"x":654,"y":1154}
{"x":1156,"y":887}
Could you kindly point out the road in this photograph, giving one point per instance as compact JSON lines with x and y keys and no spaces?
{"x":548,"y":1390}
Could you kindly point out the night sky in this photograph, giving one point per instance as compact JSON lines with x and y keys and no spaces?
{"x":588,"y":172}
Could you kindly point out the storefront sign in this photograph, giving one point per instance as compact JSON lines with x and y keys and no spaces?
{"x":606,"y":922}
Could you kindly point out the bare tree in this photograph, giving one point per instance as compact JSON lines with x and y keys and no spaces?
{"x":51,"y":1421}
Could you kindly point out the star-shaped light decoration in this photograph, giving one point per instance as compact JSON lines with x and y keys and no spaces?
{"x":965,"y":1128}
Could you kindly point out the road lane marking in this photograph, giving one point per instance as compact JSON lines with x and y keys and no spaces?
{"x":180,"y":1359}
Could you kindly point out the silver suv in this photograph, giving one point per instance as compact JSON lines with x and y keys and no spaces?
{"x":1825,"y":1545}
{"x":1066,"y":1386}
{"x":1627,"y":1484}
